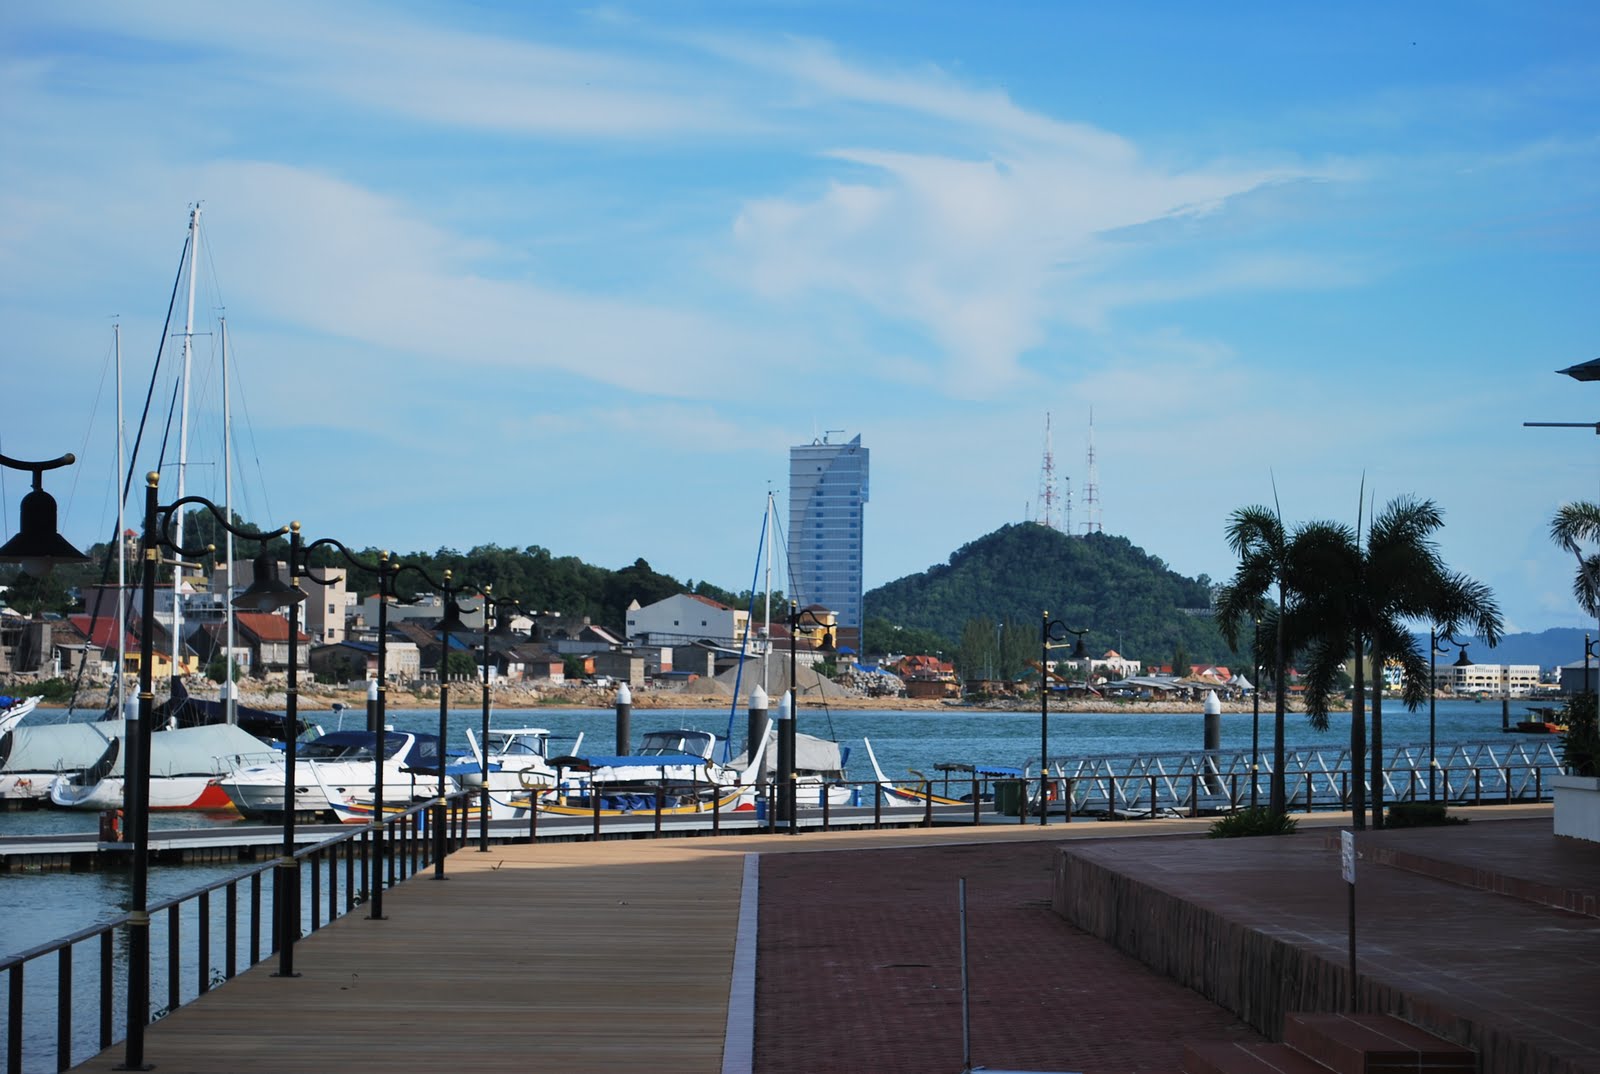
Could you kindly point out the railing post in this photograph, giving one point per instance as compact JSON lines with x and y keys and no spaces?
{"x":877,"y":805}
{"x":594,"y":805}
{"x":64,"y":1008}
{"x":14,"y":1018}
{"x":205,"y":942}
{"x":1194,"y":794}
{"x":106,"y":990}
{"x":927,"y":804}
{"x":1152,"y":798}
{"x":660,"y":794}
{"x":1538,"y":783}
{"x":826,"y":805}
{"x":977,"y":808}
{"x":1071,"y":787}
{"x":1477,"y":785}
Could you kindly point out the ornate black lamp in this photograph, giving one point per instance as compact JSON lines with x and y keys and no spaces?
{"x":385,"y":569}
{"x":268,"y":593}
{"x":37,"y":545}
{"x":1053,"y":636}
{"x":797,"y":617}
{"x":495,"y":607}
{"x":450,"y":624}
{"x":157,"y":521}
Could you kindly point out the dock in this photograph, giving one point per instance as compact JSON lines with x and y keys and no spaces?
{"x":836,"y":951}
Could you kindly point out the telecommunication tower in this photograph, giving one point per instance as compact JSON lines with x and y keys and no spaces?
{"x":1066,"y":505}
{"x":1091,"y":486}
{"x":1047,"y":482}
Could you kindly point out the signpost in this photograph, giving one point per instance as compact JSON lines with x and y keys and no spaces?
{"x":1347,"y":867}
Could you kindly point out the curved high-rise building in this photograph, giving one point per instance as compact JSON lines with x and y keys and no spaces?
{"x":827,"y":498}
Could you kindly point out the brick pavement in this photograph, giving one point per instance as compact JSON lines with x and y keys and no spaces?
{"x":859,"y":969}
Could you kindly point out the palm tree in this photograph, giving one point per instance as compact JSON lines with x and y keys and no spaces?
{"x":1257,"y":537}
{"x":1359,"y":600}
{"x":1575,"y":525}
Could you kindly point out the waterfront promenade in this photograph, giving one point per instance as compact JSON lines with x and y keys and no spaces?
{"x":628,"y":956}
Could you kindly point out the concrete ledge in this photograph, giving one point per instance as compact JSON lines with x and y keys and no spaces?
{"x":1257,"y":926}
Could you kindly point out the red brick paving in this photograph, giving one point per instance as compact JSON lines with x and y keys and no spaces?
{"x":859,"y":970}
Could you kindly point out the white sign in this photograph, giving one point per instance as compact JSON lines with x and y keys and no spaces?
{"x":1347,"y":856}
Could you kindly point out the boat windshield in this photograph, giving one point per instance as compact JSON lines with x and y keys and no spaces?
{"x":351,"y":746}
{"x":694,"y":743}
{"x":520,"y":743}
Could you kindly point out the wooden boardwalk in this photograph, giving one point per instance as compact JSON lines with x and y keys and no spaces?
{"x":608,"y":956}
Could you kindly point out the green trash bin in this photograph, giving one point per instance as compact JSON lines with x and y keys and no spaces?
{"x":1008,"y":797}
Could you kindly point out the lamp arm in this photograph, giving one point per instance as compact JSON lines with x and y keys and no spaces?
{"x":38,"y":468}
{"x":166,"y":512}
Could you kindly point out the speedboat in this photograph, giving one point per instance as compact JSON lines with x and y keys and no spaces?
{"x":341,"y":763}
{"x":517,"y":762}
{"x":676,"y":766}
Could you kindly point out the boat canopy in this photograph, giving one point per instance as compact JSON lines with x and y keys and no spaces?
{"x":359,"y":746}
{"x":56,"y":747}
{"x":811,"y":755}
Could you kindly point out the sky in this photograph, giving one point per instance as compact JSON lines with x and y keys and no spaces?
{"x":579,"y":277}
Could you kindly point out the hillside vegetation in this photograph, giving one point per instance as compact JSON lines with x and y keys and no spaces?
{"x":1129,"y":600}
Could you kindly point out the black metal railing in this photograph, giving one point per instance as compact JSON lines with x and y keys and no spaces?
{"x":202,"y":952}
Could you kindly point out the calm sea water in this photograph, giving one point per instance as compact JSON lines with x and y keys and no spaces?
{"x":41,"y":906}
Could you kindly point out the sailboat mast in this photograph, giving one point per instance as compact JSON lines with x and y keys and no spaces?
{"x":766,"y":634}
{"x":183,"y":446}
{"x":229,"y":702}
{"x":122,"y":544}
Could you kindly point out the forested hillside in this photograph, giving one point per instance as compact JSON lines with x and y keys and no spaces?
{"x":1128,"y":599}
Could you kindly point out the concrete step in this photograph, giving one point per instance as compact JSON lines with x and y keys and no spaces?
{"x":1374,"y":1044}
{"x":1226,"y":1057}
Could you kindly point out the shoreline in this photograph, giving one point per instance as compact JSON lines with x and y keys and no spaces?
{"x":463,"y":696}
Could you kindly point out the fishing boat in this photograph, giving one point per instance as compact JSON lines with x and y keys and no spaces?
{"x":185,"y":764}
{"x":341,"y":763}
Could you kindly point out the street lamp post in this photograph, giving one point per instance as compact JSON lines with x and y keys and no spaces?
{"x":268,"y":594}
{"x":136,"y":793}
{"x":1053,"y":635}
{"x":491,"y":607}
{"x":448,"y":624}
{"x":385,"y":569}
{"x":786,"y":739}
{"x":1588,"y":651}
{"x":1255,"y":715}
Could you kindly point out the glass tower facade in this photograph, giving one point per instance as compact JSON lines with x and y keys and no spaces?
{"x":827,"y":498}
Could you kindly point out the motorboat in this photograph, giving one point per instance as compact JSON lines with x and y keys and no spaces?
{"x":342,"y":763}
{"x":676,"y":768}
{"x":517,"y":763}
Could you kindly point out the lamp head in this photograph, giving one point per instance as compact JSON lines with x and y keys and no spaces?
{"x":451,"y":623}
{"x":267,"y":593}
{"x":1463,"y":660}
{"x":38,"y":546}
{"x":1080,"y":651}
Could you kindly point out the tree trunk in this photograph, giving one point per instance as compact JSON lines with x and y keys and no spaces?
{"x":1377,"y":735}
{"x":1358,"y":745}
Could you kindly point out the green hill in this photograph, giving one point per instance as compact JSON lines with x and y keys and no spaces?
{"x":1129,"y":600}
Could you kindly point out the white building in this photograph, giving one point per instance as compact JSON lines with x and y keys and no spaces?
{"x":827,"y":498}
{"x":683,"y":618}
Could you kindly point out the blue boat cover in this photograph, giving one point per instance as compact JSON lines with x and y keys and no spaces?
{"x":600,"y":761}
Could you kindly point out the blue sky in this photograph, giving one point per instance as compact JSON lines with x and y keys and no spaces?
{"x":579,"y":276}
